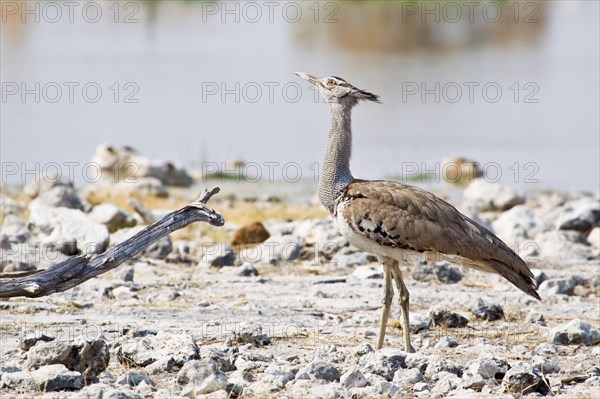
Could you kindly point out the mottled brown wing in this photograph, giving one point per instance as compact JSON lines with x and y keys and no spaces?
{"x":405,"y":217}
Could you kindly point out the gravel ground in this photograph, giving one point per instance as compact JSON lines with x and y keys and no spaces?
{"x":297,"y":316}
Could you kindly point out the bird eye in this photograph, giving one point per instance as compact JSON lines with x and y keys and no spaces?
{"x":330,"y":82}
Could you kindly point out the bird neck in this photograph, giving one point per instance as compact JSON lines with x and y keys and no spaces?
{"x":335,"y":174}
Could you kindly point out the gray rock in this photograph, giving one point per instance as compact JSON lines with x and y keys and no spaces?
{"x":489,"y":312}
{"x":246,"y":270}
{"x":555,"y":286}
{"x":28,"y":343}
{"x":221,"y":356}
{"x":159,"y":249}
{"x":417,"y":360}
{"x":133,"y":379}
{"x":475,"y":383}
{"x":366,"y":272}
{"x":535,"y":317}
{"x":179,"y":345}
{"x":321,"y":370}
{"x":327,"y":391}
{"x":61,"y":196}
{"x":576,"y":332}
{"x":217,"y":256}
{"x":446,"y":342}
{"x":408,"y":377}
{"x":524,"y":378}
{"x":13,"y":231}
{"x":163,"y":365}
{"x":446,"y":382}
{"x":447,"y":273}
{"x":581,"y":215}
{"x":112,"y":216}
{"x":251,"y":333}
{"x":353,"y":378}
{"x":491,"y":197}
{"x":138,"y":351}
{"x":384,"y":362}
{"x":563,"y":246}
{"x":126,"y":274}
{"x":487,"y":368}
{"x":442,"y":272}
{"x":322,"y":236}
{"x":67,"y":228}
{"x":545,"y":366}
{"x":127,"y":165}
{"x":48,"y":378}
{"x":90,"y":358}
{"x":201,"y":377}
{"x":546,"y":349}
{"x":439,"y":364}
{"x":418,"y":322}
{"x":17,"y":380}
{"x":56,"y":377}
{"x":104,"y":391}
{"x":442,"y":316}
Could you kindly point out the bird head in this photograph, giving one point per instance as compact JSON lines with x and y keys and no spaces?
{"x":337,"y":90}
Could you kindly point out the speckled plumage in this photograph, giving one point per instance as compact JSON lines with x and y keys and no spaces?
{"x":395,"y":221}
{"x":398,"y":218}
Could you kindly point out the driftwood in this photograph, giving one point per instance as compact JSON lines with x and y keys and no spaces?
{"x":77,"y":269}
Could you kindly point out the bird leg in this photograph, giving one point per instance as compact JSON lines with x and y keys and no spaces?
{"x":388,"y":294}
{"x":404,"y":304}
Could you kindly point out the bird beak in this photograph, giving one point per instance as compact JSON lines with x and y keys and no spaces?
{"x":310,"y":78}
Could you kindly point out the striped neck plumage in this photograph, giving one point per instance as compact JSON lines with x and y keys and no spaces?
{"x":335,"y":174}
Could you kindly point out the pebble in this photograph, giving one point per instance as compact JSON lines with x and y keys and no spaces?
{"x":524,"y":378}
{"x":384,"y":362}
{"x":442,"y":272}
{"x":353,"y":378}
{"x":321,"y":370}
{"x":557,"y":286}
{"x":133,"y":379}
{"x":489,"y":312}
{"x":444,"y":317}
{"x":201,"y":377}
{"x":367,"y":272}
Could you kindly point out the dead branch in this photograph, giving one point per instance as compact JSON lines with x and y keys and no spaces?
{"x":77,"y":269}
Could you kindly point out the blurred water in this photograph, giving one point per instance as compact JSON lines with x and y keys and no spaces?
{"x":179,"y":51}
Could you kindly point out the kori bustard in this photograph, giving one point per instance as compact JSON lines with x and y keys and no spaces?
{"x":394,"y":221}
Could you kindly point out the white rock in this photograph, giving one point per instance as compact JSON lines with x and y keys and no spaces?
{"x":516,"y":225}
{"x":353,"y":378}
{"x":367,"y":272}
{"x":201,"y":377}
{"x":594,"y":237}
{"x":576,"y":332}
{"x":112,"y":216}
{"x":491,"y":196}
{"x":581,"y":215}
{"x":64,"y":227}
{"x":563,"y":246}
